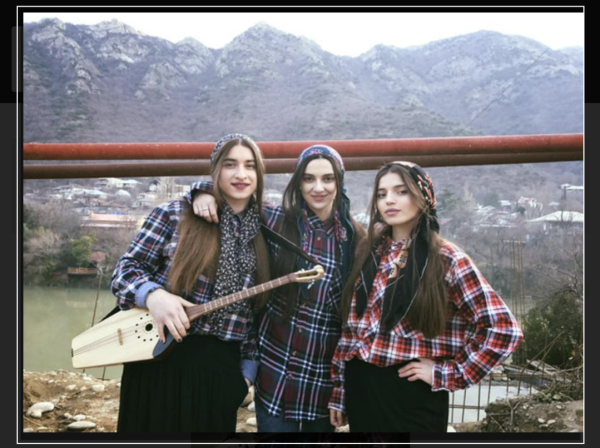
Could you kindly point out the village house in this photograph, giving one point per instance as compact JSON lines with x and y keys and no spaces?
{"x":130,"y":184}
{"x":109,"y":182}
{"x":111,"y":221}
{"x":560,"y":219}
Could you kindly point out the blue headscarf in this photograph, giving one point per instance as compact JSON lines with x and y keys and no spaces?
{"x":322,"y":150}
{"x":344,"y":229}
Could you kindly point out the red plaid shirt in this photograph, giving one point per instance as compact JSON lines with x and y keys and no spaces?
{"x":480,"y":333}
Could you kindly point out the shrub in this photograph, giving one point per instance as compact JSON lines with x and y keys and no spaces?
{"x":554,"y":331}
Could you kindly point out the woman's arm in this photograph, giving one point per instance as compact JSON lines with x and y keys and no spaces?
{"x":249,"y":349}
{"x":135,"y":282}
{"x":134,"y":276}
{"x":497,"y":332}
{"x":337,"y":415}
{"x":205,"y":206}
{"x":338,"y":366}
{"x":203,"y":201}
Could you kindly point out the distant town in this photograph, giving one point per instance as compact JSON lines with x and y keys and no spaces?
{"x":124,"y":203}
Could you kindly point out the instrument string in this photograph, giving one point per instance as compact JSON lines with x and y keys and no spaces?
{"x":205,"y":308}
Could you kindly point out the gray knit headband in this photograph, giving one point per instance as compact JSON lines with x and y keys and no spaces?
{"x":224,"y":140}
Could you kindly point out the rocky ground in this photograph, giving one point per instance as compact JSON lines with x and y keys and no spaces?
{"x":64,"y":401}
{"x":59,"y":401}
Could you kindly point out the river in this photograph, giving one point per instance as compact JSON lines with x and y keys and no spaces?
{"x":52,"y":317}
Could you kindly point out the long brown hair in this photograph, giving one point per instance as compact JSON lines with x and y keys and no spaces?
{"x":428,"y":311}
{"x":198,"y":248}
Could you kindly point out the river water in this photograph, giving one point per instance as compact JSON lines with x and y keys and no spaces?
{"x":52,"y":317}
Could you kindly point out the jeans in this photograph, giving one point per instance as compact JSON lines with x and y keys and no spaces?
{"x":269,"y":423}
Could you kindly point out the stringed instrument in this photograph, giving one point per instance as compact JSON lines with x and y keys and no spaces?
{"x":132,"y":335}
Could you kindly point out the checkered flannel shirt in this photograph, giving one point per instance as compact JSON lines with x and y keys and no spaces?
{"x":481,"y":332}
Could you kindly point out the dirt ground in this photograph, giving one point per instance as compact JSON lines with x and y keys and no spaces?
{"x":74,"y":395}
{"x":77,"y":398}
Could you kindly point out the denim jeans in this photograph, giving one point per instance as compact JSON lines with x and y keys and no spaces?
{"x":269,"y":423}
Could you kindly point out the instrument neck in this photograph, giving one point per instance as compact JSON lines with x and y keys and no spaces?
{"x":194,"y":312}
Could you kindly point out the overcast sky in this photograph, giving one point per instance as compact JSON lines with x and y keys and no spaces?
{"x":343,"y":33}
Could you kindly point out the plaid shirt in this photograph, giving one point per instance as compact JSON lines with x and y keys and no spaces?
{"x":145,"y":267}
{"x":481,"y":332}
{"x":296,"y":352}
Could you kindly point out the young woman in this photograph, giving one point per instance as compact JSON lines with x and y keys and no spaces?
{"x":420,"y":319}
{"x":178,"y":260}
{"x":300,"y":326}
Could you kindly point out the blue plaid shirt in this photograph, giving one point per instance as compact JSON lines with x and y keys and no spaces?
{"x":145,"y":268}
{"x":295,"y":353}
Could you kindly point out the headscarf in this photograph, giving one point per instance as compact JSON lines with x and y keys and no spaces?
{"x":224,"y":140}
{"x":425,"y":185}
{"x":322,"y":150}
{"x":333,"y":155}
{"x":343,"y":230}
{"x":401,"y":291}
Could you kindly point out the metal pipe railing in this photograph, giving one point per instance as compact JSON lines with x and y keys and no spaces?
{"x":273,"y":166}
{"x":280,"y":157}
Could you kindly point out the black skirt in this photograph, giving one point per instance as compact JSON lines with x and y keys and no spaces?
{"x":378,"y":400}
{"x":197,"y":387}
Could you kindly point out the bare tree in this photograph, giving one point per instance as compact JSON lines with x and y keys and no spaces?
{"x":44,"y":244}
{"x":58,"y":217}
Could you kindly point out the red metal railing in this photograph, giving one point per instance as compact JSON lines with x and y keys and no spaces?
{"x":280,"y":156}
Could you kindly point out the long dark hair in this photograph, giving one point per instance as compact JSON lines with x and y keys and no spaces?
{"x":198,"y":248}
{"x":428,"y":312}
{"x":292,"y":203}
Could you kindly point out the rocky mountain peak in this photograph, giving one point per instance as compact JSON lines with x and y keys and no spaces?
{"x":483,"y":45}
{"x":267,"y":52}
{"x":266,"y":36}
{"x":113,"y":27}
{"x":380,"y":52}
{"x":190,"y":42}
{"x":55,"y":23}
{"x":48,"y":29}
{"x":261,"y":30}
{"x":191,"y":57}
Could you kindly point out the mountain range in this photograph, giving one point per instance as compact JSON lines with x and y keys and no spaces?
{"x":111,"y":83}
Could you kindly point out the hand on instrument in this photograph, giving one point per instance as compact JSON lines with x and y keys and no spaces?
{"x":168,"y":310}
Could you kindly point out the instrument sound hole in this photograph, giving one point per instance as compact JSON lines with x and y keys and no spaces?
{"x":148,"y":327}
